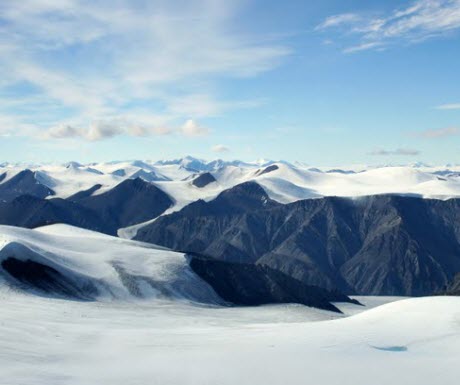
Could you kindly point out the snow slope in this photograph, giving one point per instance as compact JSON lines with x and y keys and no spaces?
{"x":97,"y":267}
{"x":48,"y":342}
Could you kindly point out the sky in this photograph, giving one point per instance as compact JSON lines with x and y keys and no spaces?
{"x":328,"y":82}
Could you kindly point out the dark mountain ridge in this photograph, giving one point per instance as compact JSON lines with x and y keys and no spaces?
{"x":130,"y":202}
{"x":381,"y":245}
{"x":23,"y":183}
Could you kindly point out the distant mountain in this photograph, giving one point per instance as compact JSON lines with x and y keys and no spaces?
{"x":200,"y":165}
{"x":132,"y":201}
{"x":30,"y":212}
{"x":380,"y":245}
{"x":150,"y":176}
{"x":24,"y":182}
{"x":189,"y":162}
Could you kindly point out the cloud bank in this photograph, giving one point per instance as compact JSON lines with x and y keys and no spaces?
{"x":106,"y":129}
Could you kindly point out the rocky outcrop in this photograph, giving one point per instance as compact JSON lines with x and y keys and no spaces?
{"x":203,"y":180}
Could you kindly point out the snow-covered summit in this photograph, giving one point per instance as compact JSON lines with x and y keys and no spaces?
{"x":283,"y":181}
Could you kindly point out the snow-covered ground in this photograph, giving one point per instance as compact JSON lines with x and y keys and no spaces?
{"x":160,"y":334}
{"x":58,"y":342}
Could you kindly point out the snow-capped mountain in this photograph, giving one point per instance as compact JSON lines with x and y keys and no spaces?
{"x":283,"y":181}
{"x":179,"y":204}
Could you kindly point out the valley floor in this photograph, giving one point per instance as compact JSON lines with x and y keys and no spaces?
{"x":50,"y":341}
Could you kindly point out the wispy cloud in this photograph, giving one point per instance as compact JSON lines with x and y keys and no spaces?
{"x":451,"y":106}
{"x":220,"y":148}
{"x":421,"y":20}
{"x":337,"y":20}
{"x":363,"y":47}
{"x":96,"y":60}
{"x":438,"y":133}
{"x":397,"y":152}
{"x":202,"y":105}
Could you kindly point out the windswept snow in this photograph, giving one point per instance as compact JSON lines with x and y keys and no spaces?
{"x":99,"y":267}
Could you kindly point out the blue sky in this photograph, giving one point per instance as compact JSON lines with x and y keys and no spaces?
{"x":326,"y":83}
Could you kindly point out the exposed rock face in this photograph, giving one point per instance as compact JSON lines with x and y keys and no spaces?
{"x":203,"y":180}
{"x":381,"y":245}
{"x":268,"y":169}
{"x":454,"y":287}
{"x":249,"y":285}
{"x":21,"y":184}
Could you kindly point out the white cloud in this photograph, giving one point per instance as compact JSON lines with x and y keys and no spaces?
{"x":451,"y":106}
{"x":220,"y":148}
{"x":398,"y":151}
{"x":109,"y":128}
{"x":421,"y":20}
{"x":191,"y":128}
{"x":63,"y":131}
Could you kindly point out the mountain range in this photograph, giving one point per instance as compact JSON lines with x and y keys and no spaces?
{"x":379,"y":231}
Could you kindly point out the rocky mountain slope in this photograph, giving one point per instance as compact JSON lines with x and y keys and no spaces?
{"x":386,"y":245}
